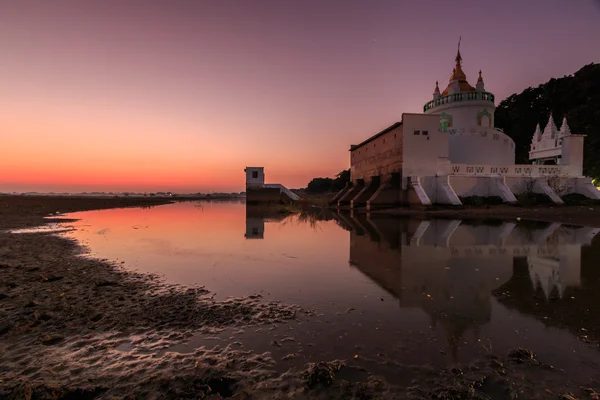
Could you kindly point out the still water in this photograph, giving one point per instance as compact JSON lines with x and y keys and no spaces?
{"x":394,"y":292}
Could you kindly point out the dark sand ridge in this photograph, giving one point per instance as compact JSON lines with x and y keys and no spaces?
{"x":62,"y":317}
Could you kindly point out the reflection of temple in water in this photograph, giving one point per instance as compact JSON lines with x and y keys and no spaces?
{"x":450,"y":269}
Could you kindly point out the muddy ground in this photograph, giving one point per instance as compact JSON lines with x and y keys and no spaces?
{"x":64,"y":320}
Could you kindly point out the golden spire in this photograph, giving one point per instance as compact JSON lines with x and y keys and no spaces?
{"x":480,"y":79}
{"x":458,"y":58}
{"x":457,"y":73}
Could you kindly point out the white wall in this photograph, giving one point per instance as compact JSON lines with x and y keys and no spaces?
{"x":480,"y":146}
{"x":257,"y":181}
{"x":423,"y":155}
{"x":572,"y":153}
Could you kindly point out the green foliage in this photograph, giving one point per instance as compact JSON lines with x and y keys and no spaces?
{"x":481,"y":200}
{"x":577,"y":96}
{"x":326,"y":185}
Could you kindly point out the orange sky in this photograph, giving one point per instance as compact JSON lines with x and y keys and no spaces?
{"x":182,"y":95}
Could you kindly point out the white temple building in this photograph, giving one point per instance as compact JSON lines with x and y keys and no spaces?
{"x":453,"y":150}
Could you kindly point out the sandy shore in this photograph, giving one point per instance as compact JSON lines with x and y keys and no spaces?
{"x":66,"y":322}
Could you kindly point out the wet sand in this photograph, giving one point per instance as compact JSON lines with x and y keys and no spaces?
{"x":66,"y":323}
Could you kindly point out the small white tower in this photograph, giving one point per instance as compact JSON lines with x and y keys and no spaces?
{"x":564,"y":128}
{"x":436,"y":92}
{"x":479,"y":86}
{"x":255,"y":177}
{"x":537,"y":136}
{"x":550,"y":130}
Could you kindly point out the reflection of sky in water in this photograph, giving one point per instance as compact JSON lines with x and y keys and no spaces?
{"x":410,"y":291}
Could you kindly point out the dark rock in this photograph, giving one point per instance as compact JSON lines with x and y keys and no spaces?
{"x":51,"y":278}
{"x":4,"y":328}
{"x":45,"y":316}
{"x":106,"y":283}
{"x":225,"y":386}
{"x":520,"y":355}
{"x":51,"y":340}
{"x":3,"y":296}
{"x":321,"y":373}
{"x":96,"y":317}
{"x":31,"y":304}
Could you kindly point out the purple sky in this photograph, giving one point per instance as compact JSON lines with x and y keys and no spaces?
{"x":181,"y":95}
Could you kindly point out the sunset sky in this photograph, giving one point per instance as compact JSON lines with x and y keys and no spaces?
{"x":181,"y":95}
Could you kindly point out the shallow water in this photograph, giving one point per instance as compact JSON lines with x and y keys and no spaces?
{"x":387,"y":293}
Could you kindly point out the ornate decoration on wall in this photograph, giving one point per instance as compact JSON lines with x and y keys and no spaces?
{"x":484,"y":113}
{"x":445,"y":122}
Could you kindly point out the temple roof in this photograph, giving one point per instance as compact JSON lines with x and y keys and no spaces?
{"x":459,"y":75}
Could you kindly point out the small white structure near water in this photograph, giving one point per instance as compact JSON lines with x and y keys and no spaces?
{"x":259,"y":191}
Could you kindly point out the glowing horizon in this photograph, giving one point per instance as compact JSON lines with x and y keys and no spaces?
{"x":143,"y":96}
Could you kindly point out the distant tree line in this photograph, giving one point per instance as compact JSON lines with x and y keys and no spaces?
{"x":577,"y":96}
{"x":327,"y":185}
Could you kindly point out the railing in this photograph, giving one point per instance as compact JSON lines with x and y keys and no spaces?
{"x":458,"y":97}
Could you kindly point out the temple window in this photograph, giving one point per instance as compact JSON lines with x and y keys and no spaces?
{"x":417,"y":132}
{"x":425,"y":133}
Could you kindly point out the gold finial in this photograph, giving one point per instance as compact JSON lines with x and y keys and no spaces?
{"x":480,"y":79}
{"x":458,"y":57}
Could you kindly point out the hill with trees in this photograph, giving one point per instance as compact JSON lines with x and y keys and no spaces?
{"x":577,"y":96}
